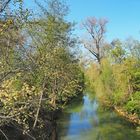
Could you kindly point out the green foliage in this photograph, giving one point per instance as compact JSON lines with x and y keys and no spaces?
{"x":117,"y":53}
{"x":118,"y":83}
{"x":133,"y":106}
{"x":91,"y":74}
{"x":106,"y":74}
{"x":38,"y":71}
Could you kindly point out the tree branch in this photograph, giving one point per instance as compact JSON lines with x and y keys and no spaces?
{"x":4,"y":134}
{"x":3,"y":7}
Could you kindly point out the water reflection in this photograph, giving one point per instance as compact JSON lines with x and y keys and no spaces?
{"x":82,"y":121}
{"x":87,"y":121}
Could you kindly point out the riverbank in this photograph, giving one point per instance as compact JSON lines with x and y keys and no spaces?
{"x":88,"y":120}
{"x":133,"y":118}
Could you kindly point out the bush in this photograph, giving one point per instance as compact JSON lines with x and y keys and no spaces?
{"x":133,"y":105}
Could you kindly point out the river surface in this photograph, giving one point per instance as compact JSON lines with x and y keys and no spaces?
{"x":84,"y":119}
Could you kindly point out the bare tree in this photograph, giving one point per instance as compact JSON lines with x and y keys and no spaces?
{"x":4,"y":4}
{"x":96,"y":30}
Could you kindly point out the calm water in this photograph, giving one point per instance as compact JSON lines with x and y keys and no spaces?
{"x":85,"y":120}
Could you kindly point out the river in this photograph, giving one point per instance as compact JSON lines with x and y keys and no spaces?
{"x":85,"y":119}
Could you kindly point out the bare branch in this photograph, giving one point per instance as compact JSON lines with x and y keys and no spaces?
{"x":4,"y":134}
{"x":96,"y":29}
{"x":4,"y":6}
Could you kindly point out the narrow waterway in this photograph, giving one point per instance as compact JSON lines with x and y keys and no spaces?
{"x":84,"y":119}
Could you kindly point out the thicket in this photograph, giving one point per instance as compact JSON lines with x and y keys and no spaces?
{"x":39,"y":72}
{"x":117,"y":79}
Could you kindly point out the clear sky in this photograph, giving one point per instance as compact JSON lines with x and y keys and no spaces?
{"x":123,"y":15}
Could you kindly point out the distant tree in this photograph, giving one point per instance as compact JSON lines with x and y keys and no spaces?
{"x":133,"y":47}
{"x":118,"y":53}
{"x":96,"y":29}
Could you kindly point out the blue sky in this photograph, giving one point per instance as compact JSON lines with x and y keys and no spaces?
{"x":123,"y":15}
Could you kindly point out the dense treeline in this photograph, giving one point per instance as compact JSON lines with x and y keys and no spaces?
{"x":39,"y":72}
{"x":117,"y":78}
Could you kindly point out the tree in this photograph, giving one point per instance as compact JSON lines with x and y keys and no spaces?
{"x":96,"y":29}
{"x":11,"y":37}
{"x":51,"y":74}
{"x":118,"y":53}
{"x":133,"y":47}
{"x":55,"y":66}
